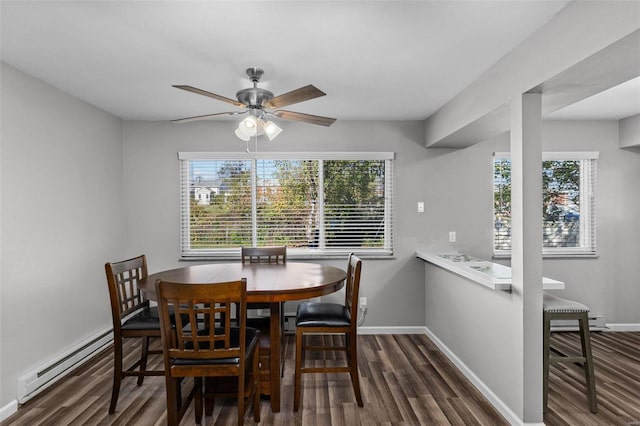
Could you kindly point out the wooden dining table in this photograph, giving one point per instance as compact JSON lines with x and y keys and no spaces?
{"x":266,"y":283}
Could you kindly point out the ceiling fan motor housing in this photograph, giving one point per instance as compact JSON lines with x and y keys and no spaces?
{"x":254,"y":97}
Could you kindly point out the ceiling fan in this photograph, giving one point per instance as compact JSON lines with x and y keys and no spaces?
{"x":258,"y":103}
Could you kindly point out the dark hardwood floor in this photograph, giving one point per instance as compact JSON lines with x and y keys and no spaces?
{"x":617,"y":368}
{"x":405,"y":380}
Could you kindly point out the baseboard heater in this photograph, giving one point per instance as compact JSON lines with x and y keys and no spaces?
{"x":596,"y":323}
{"x":41,"y":378}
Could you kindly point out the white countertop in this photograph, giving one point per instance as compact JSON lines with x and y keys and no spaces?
{"x":489,"y":274}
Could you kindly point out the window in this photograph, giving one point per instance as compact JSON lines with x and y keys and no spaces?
{"x":317,"y":204}
{"x":568,"y":204}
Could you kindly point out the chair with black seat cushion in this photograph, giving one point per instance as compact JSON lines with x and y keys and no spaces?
{"x":331,"y":318}
{"x":557,"y":308}
{"x":215,"y":349}
{"x":132,"y":318}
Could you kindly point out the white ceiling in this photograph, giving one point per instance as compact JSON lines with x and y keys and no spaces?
{"x":392,"y":60}
{"x":619,"y":102}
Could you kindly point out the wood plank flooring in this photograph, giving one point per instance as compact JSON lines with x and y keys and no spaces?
{"x":405,"y":380}
{"x":617,"y":369}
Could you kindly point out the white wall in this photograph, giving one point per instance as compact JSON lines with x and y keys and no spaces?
{"x":62,"y":219}
{"x":477,"y":325}
{"x":394,"y":287}
{"x":630,"y":132}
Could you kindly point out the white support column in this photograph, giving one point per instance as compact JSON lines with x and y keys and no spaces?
{"x":526,"y":242}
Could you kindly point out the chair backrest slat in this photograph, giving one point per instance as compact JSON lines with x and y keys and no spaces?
{"x":264,"y":254}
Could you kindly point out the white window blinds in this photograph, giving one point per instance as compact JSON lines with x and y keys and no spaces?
{"x":568,"y":205}
{"x":315,"y":203}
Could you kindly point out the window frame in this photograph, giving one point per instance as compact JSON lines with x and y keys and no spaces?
{"x":187,"y":253}
{"x":588,"y":185}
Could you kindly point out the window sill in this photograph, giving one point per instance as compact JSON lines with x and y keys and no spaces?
{"x":553,"y":256}
{"x":227,"y":257}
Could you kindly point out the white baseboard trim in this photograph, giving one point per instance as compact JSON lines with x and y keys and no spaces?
{"x":493,"y":399}
{"x":623,"y":327}
{"x":393,"y":330}
{"x":8,"y":410}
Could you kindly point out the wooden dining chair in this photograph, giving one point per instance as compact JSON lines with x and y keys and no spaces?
{"x":322,"y":318}
{"x":132,"y":318}
{"x":276,"y":254}
{"x":258,"y":313}
{"x":273,"y":255}
{"x":216,"y":349}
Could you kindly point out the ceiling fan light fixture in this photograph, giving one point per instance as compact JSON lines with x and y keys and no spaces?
{"x":271,"y":129}
{"x":250,"y":123}
{"x":247,"y":128}
{"x":241,"y":135}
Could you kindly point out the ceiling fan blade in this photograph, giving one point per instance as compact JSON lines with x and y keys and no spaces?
{"x":205,"y":117}
{"x":209,"y":94}
{"x":302,"y":94}
{"x":307,"y":118}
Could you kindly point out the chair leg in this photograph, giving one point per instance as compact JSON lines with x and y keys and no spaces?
{"x":117,"y":374}
{"x":282,"y":337}
{"x":241,"y":380}
{"x":588,"y":364}
{"x":298,"y":371}
{"x":179,"y":394}
{"x":173,"y":401}
{"x":197,"y":383}
{"x":347,"y":345}
{"x":209,"y":401}
{"x":353,"y":366}
{"x":143,"y":358}
{"x":546,"y":343}
{"x":256,"y":386}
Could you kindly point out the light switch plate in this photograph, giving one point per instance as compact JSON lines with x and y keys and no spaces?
{"x":420,"y":206}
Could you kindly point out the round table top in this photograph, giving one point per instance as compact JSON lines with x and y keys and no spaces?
{"x":265,"y":282}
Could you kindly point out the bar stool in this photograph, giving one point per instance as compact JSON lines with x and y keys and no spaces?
{"x":556,"y":308}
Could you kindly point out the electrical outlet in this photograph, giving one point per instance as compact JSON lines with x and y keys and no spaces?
{"x":363,"y":303}
{"x":452,"y":236}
